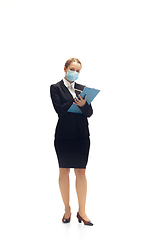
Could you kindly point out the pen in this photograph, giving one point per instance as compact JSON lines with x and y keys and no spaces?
{"x":78,"y":90}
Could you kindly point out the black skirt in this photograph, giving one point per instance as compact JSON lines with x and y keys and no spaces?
{"x":72,"y":153}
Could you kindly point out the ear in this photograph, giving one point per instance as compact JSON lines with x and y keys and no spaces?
{"x":64,"y":68}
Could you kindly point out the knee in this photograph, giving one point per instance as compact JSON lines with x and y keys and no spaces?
{"x":80,"y":172}
{"x":64,"y":172}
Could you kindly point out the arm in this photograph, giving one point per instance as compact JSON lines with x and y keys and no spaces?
{"x":87,"y":110}
{"x":60,"y":108}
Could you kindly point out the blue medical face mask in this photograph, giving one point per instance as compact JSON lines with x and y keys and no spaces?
{"x":72,"y":76}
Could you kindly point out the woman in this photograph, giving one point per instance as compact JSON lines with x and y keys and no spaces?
{"x":72,"y":141}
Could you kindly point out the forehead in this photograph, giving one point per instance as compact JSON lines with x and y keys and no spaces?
{"x":75,"y":65}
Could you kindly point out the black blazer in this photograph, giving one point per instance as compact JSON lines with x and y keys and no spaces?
{"x":70,"y":125}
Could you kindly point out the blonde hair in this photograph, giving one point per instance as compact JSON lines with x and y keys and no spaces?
{"x":69,"y":61}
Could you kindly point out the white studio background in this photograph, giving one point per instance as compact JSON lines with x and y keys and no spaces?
{"x":118,"y":45}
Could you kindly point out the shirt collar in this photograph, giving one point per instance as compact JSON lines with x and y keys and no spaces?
{"x":67,"y":84}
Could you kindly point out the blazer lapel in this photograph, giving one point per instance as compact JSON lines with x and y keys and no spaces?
{"x":78,"y":89}
{"x":78,"y":92}
{"x":65,"y":89}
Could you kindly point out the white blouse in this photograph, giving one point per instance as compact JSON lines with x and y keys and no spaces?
{"x":70,"y":87}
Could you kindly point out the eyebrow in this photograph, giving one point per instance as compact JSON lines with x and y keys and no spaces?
{"x":74,"y":68}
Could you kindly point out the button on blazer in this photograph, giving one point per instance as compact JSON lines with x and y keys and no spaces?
{"x":70,"y":125}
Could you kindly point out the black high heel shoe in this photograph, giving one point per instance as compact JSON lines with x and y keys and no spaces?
{"x":66,"y":220}
{"x":80,"y":219}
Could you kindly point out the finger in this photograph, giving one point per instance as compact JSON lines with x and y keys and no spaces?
{"x":85,"y":97}
{"x":80,"y":97}
{"x":76,"y":103}
{"x":76,"y":99}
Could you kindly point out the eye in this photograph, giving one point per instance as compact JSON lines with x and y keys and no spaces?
{"x":78,"y":71}
{"x":72,"y":69}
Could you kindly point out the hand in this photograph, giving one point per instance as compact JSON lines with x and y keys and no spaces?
{"x":80,"y":102}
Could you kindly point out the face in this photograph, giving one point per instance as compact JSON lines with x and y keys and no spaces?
{"x":74,"y":66}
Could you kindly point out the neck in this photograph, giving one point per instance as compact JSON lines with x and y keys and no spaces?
{"x":68,"y":80}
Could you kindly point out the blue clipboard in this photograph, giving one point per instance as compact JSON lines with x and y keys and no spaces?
{"x":91,"y":94}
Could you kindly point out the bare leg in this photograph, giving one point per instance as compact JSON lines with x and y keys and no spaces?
{"x":64,"y":186}
{"x":81,"y":188}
